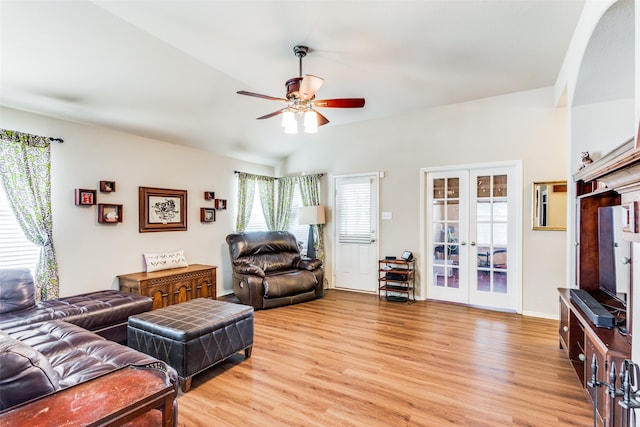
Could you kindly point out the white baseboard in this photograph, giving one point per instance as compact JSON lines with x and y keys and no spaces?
{"x":542,"y":315}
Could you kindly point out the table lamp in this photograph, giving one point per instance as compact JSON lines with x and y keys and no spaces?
{"x":312,"y":215}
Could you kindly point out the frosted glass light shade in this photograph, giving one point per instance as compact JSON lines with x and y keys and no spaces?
{"x":288,"y":119}
{"x":310,"y":122}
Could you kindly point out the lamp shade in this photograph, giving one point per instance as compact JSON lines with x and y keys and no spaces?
{"x":311,"y":215}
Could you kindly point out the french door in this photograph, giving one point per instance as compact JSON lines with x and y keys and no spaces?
{"x":356,"y":230}
{"x":472,"y":222}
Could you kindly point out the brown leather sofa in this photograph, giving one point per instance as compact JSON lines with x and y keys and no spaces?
{"x":268,"y":270}
{"x":50,"y":346}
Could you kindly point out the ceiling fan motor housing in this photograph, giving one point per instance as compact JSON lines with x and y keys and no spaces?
{"x":293,"y":88}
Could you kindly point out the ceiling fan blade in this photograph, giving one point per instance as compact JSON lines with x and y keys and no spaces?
{"x":309,"y":86}
{"x":322,"y":120}
{"x":257,"y":95}
{"x":340,"y":103}
{"x":275,"y":113}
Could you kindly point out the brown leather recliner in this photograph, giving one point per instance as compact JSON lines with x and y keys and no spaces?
{"x":268,"y":270}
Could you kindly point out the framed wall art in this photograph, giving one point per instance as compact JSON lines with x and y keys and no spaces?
{"x":161,"y":209}
{"x":109,"y":214}
{"x":85,"y":197}
{"x":221,"y":204}
{"x":107,"y":186}
{"x":209,"y":195}
{"x":207,"y":215}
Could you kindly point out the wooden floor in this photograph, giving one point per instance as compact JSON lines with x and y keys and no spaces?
{"x":350,"y":360}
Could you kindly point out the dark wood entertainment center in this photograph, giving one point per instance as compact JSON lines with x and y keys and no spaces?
{"x":612,"y":180}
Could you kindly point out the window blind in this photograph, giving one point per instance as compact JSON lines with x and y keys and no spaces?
{"x":15,"y":250}
{"x":353,"y":208}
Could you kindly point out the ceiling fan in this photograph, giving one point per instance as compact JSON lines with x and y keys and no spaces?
{"x":301,"y":97}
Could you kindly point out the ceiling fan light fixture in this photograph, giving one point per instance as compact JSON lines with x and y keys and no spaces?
{"x":310,"y":122}
{"x":288,"y":119}
{"x":291,"y":127}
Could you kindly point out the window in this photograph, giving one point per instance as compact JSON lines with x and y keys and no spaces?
{"x":257,"y":222}
{"x":15,"y":249}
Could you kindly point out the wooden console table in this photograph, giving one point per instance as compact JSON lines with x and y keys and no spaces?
{"x":131,"y":396}
{"x":168,"y":287}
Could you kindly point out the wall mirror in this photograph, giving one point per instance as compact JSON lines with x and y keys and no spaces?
{"x":549,"y":205}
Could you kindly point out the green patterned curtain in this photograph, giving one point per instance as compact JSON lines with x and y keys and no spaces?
{"x":266,"y":191}
{"x":310,"y":192}
{"x":246,"y":190}
{"x":286,"y":186}
{"x":25,"y":171}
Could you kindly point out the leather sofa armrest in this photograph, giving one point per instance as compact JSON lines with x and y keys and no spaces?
{"x":308,"y":264}
{"x":249,"y":269}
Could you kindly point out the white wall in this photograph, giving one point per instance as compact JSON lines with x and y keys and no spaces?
{"x":91,"y":255}
{"x":523,"y":126}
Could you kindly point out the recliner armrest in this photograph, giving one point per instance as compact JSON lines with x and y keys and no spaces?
{"x":249,"y":269}
{"x":308,"y":264}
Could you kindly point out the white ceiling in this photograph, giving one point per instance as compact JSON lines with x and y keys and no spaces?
{"x":170,"y":69}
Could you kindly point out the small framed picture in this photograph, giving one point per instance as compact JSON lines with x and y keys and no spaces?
{"x":85,"y":197}
{"x":109,"y":214}
{"x":209,"y":195}
{"x":221,"y":204}
{"x":207,"y":215}
{"x":107,"y":186}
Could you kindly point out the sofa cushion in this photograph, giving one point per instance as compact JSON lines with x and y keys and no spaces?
{"x":76,"y":354}
{"x":289,"y":283}
{"x":26,"y":373}
{"x":16,"y":289}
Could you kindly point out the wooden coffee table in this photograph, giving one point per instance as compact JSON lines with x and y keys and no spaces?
{"x":129,"y":396}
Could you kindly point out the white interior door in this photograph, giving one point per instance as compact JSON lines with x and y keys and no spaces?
{"x":356,"y":246}
{"x":493,"y":238}
{"x":472,"y":236}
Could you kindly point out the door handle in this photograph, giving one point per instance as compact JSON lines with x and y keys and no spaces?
{"x":463,"y":243}
{"x":473,"y":243}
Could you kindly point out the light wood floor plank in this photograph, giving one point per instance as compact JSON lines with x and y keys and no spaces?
{"x":350,"y":360}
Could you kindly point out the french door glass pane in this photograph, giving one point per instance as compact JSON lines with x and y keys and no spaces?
{"x":500,"y":211}
{"x":483,"y":187}
{"x":483,"y":211}
{"x":500,"y":186}
{"x":483,"y":234}
{"x":438,"y":211}
{"x":500,"y":282}
{"x":453,"y":188}
{"x":499,"y":234}
{"x":438,"y":188}
{"x":453,"y":210}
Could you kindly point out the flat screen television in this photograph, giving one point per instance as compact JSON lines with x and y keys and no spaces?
{"x":613,"y":251}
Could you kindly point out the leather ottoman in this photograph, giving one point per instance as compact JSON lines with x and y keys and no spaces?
{"x":194,"y":335}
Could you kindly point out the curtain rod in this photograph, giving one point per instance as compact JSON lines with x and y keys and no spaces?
{"x":319,"y":175}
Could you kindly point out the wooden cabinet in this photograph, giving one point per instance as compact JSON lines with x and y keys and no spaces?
{"x":612,"y":180}
{"x":168,"y":287}
{"x":397,"y":279}
{"x":582,"y":340}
